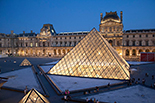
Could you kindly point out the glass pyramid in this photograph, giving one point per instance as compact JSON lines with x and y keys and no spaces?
{"x":33,"y":96}
{"x":92,"y":57}
{"x":25,"y":62}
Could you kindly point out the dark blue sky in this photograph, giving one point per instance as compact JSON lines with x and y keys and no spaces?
{"x":72,"y":15}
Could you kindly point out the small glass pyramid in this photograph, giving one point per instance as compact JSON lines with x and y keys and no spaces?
{"x":25,"y":62}
{"x":92,"y":57}
{"x":33,"y":96}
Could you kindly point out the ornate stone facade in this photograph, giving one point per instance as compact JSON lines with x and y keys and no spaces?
{"x":48,"y":43}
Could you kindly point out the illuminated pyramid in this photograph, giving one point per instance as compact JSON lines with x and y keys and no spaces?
{"x":25,"y":62}
{"x":33,"y":96}
{"x":92,"y":57}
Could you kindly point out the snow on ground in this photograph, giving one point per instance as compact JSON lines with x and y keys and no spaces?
{"x":137,"y":63}
{"x":77,"y":83}
{"x":46,"y":68}
{"x":21,"y":78}
{"x":133,"y":94}
{"x":54,"y":62}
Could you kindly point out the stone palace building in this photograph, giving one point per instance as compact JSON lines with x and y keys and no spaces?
{"x":48,"y":43}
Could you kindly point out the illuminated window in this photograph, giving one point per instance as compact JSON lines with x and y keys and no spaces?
{"x":31,"y":44}
{"x":36,"y":44}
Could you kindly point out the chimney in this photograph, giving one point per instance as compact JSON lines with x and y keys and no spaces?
{"x":23,"y":32}
{"x":31,"y":31}
{"x":101,"y":15}
{"x":121,"y":17}
{"x":11,"y":31}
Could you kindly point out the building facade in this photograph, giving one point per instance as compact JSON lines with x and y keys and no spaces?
{"x":48,"y":43}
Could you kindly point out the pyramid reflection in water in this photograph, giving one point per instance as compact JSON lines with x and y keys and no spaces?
{"x":92,"y":57}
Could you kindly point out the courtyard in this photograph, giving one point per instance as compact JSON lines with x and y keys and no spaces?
{"x":13,"y":94}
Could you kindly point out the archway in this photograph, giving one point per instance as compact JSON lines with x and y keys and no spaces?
{"x":59,"y":51}
{"x":68,"y":50}
{"x":54,"y":51}
{"x":64,"y":51}
{"x":153,"y":50}
{"x":147,"y":50}
{"x":140,"y":50}
{"x":134,"y":52}
{"x":44,"y":52}
{"x":127,"y":52}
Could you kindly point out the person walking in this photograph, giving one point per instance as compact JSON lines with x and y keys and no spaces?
{"x":25,"y":90}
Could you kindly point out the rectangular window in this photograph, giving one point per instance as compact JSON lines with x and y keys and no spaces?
{"x":36,"y":44}
{"x":74,"y":37}
{"x":140,"y":36}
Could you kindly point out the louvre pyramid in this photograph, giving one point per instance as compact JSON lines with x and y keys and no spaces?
{"x":25,"y":62}
{"x":92,"y":57}
{"x":33,"y":96}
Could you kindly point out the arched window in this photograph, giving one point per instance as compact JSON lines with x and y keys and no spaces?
{"x":134,"y":52}
{"x":127,"y":52}
{"x":147,"y":50}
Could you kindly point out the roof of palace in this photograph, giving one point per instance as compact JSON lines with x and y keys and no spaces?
{"x":111,"y":15}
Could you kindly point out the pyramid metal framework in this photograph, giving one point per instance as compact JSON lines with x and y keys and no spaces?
{"x":93,"y":57}
{"x":33,"y":96}
{"x":25,"y":62}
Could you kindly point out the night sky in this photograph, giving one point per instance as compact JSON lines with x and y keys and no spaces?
{"x":72,"y":15}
